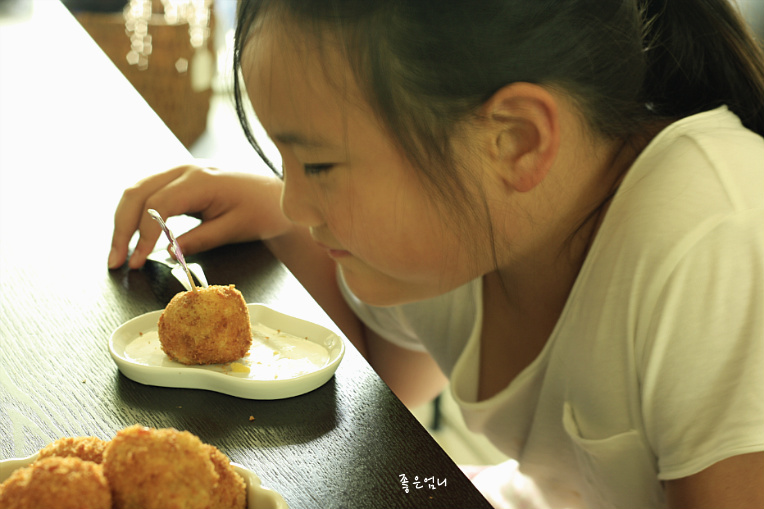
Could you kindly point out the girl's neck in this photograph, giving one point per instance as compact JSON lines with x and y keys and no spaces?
{"x":540,"y":273}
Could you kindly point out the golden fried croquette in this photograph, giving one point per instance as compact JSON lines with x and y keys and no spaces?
{"x":230,"y":491}
{"x":85,"y":448}
{"x":57,"y":482}
{"x":206,"y":326}
{"x":159,"y":469}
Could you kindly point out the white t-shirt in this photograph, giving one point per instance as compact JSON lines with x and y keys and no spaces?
{"x":655,"y":369}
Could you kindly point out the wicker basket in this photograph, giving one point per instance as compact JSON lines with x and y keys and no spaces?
{"x":167,"y":90}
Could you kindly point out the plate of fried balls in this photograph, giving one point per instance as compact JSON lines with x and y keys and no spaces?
{"x":139,"y":468}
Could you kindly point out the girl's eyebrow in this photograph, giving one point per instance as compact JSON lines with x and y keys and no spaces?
{"x":292,"y":138}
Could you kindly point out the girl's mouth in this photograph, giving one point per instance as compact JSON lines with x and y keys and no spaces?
{"x":338,"y":253}
{"x":334,"y":253}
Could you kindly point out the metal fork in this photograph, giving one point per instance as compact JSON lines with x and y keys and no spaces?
{"x":161,"y":256}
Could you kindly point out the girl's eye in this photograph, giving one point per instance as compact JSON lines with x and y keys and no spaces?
{"x":315,"y":169}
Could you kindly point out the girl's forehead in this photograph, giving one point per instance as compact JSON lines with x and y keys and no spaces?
{"x":282,"y":44}
{"x":291,"y":77}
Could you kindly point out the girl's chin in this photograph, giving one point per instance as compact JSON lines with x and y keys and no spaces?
{"x":374,"y":295}
{"x":380,"y":290}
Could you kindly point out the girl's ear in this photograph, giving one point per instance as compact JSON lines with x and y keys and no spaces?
{"x":525,"y":135}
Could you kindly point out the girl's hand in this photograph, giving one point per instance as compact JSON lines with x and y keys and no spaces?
{"x":234,"y":207}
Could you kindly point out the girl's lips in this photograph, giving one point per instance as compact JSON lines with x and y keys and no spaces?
{"x":338,"y":253}
{"x":334,"y":253}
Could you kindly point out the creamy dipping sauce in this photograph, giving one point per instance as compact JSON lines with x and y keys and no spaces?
{"x":274,"y":355}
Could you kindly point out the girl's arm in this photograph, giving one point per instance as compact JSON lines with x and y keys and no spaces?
{"x":233,"y":207}
{"x":736,"y":482}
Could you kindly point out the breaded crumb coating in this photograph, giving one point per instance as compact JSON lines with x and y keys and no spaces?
{"x":230,"y":491}
{"x":57,"y":482}
{"x":85,"y":448}
{"x":141,"y":468}
{"x":159,"y":469}
{"x":207,"y":326}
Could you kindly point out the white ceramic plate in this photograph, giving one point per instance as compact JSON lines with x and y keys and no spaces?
{"x":273,"y":368}
{"x":257,"y":496}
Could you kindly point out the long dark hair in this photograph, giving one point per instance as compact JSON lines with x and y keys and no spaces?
{"x":427,"y":65}
{"x":702,"y":55}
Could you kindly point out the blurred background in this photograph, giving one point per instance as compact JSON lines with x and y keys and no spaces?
{"x":178,"y":55}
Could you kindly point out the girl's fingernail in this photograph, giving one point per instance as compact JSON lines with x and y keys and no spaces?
{"x":113,"y":259}
{"x":133,"y":262}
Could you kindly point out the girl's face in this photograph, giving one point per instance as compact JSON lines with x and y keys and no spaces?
{"x":346,"y":181}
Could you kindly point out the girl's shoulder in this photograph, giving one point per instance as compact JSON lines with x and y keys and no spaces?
{"x":710,"y":155}
{"x":699,"y":170}
{"x":693,"y":196}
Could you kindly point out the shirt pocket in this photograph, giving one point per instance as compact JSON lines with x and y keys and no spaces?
{"x":618,"y":471}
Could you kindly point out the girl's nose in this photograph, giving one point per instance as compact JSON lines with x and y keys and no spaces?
{"x":298,"y":202}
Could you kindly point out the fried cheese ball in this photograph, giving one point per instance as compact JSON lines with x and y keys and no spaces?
{"x":63,"y":483}
{"x":230,"y":491}
{"x":85,"y":448}
{"x":159,"y":469}
{"x":206,"y":326}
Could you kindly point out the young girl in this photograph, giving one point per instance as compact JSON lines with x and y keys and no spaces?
{"x":557,"y":205}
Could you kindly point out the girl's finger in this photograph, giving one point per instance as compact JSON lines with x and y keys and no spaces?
{"x":129,"y":214}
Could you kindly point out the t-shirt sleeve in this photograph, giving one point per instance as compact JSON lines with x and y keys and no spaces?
{"x":389,"y":322}
{"x":703,"y":360}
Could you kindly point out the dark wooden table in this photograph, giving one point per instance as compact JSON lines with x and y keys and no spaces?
{"x":73,"y":135}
